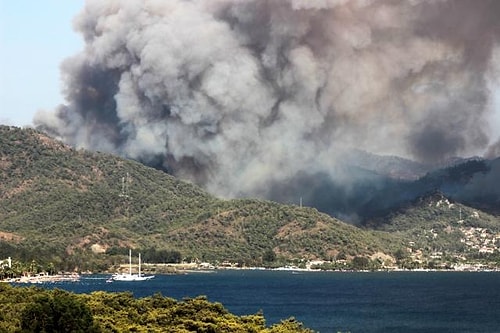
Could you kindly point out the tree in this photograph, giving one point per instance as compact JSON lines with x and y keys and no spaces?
{"x":360,"y":263}
{"x":401,"y":254}
{"x":342,"y":255}
{"x":269,"y":256}
{"x":290,"y":325}
{"x":57,"y":311}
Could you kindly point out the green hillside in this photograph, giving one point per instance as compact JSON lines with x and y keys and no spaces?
{"x":439,"y":231}
{"x":74,"y":209}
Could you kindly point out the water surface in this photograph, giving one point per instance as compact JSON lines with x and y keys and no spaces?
{"x":333,"y":301}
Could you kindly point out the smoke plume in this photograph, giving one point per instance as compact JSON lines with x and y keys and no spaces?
{"x":236,"y":95}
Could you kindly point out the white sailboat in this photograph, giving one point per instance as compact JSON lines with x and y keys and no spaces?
{"x":129,"y":276}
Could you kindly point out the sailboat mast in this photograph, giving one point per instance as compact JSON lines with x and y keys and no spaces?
{"x":139,"y":264}
{"x":130,"y":261}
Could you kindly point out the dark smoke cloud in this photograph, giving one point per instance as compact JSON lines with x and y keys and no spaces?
{"x":236,"y":95}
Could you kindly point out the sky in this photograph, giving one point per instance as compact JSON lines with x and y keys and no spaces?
{"x":35,"y":36}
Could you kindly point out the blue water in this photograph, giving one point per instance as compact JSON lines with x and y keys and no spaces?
{"x":332,"y":302}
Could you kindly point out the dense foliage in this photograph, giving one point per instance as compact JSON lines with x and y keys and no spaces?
{"x":39,"y":310}
{"x":58,"y":311}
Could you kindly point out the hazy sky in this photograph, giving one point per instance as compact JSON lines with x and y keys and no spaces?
{"x":35,"y":36}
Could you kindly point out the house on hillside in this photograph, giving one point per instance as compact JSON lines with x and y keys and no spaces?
{"x":6,"y":263}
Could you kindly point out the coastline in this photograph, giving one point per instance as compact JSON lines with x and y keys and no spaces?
{"x":180,"y":269}
{"x":204,"y":268}
{"x":45,"y":278}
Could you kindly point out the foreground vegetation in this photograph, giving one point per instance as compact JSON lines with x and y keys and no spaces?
{"x":39,"y":310}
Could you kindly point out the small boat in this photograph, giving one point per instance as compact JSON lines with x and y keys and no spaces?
{"x":129,"y":276}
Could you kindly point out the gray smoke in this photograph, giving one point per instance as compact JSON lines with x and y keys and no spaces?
{"x":238,"y":94}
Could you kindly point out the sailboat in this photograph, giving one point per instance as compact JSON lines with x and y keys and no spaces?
{"x":129,"y":276}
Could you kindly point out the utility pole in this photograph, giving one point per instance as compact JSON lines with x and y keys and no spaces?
{"x":125,"y":195}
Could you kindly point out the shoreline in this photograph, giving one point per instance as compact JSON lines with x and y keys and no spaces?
{"x":190,"y":268}
{"x":45,"y":278}
{"x":75,"y":277}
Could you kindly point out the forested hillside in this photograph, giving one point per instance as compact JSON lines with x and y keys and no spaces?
{"x":79,"y":209}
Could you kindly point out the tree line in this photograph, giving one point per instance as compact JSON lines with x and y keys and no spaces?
{"x":31,"y":309}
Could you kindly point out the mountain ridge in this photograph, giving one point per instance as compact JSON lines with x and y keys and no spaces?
{"x":65,"y":205}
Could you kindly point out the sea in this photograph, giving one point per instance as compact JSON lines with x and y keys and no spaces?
{"x":344,"y":302}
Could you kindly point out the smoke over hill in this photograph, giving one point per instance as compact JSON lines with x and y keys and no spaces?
{"x":237,"y":95}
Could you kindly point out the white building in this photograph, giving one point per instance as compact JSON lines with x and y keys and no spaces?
{"x":6,"y":262}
